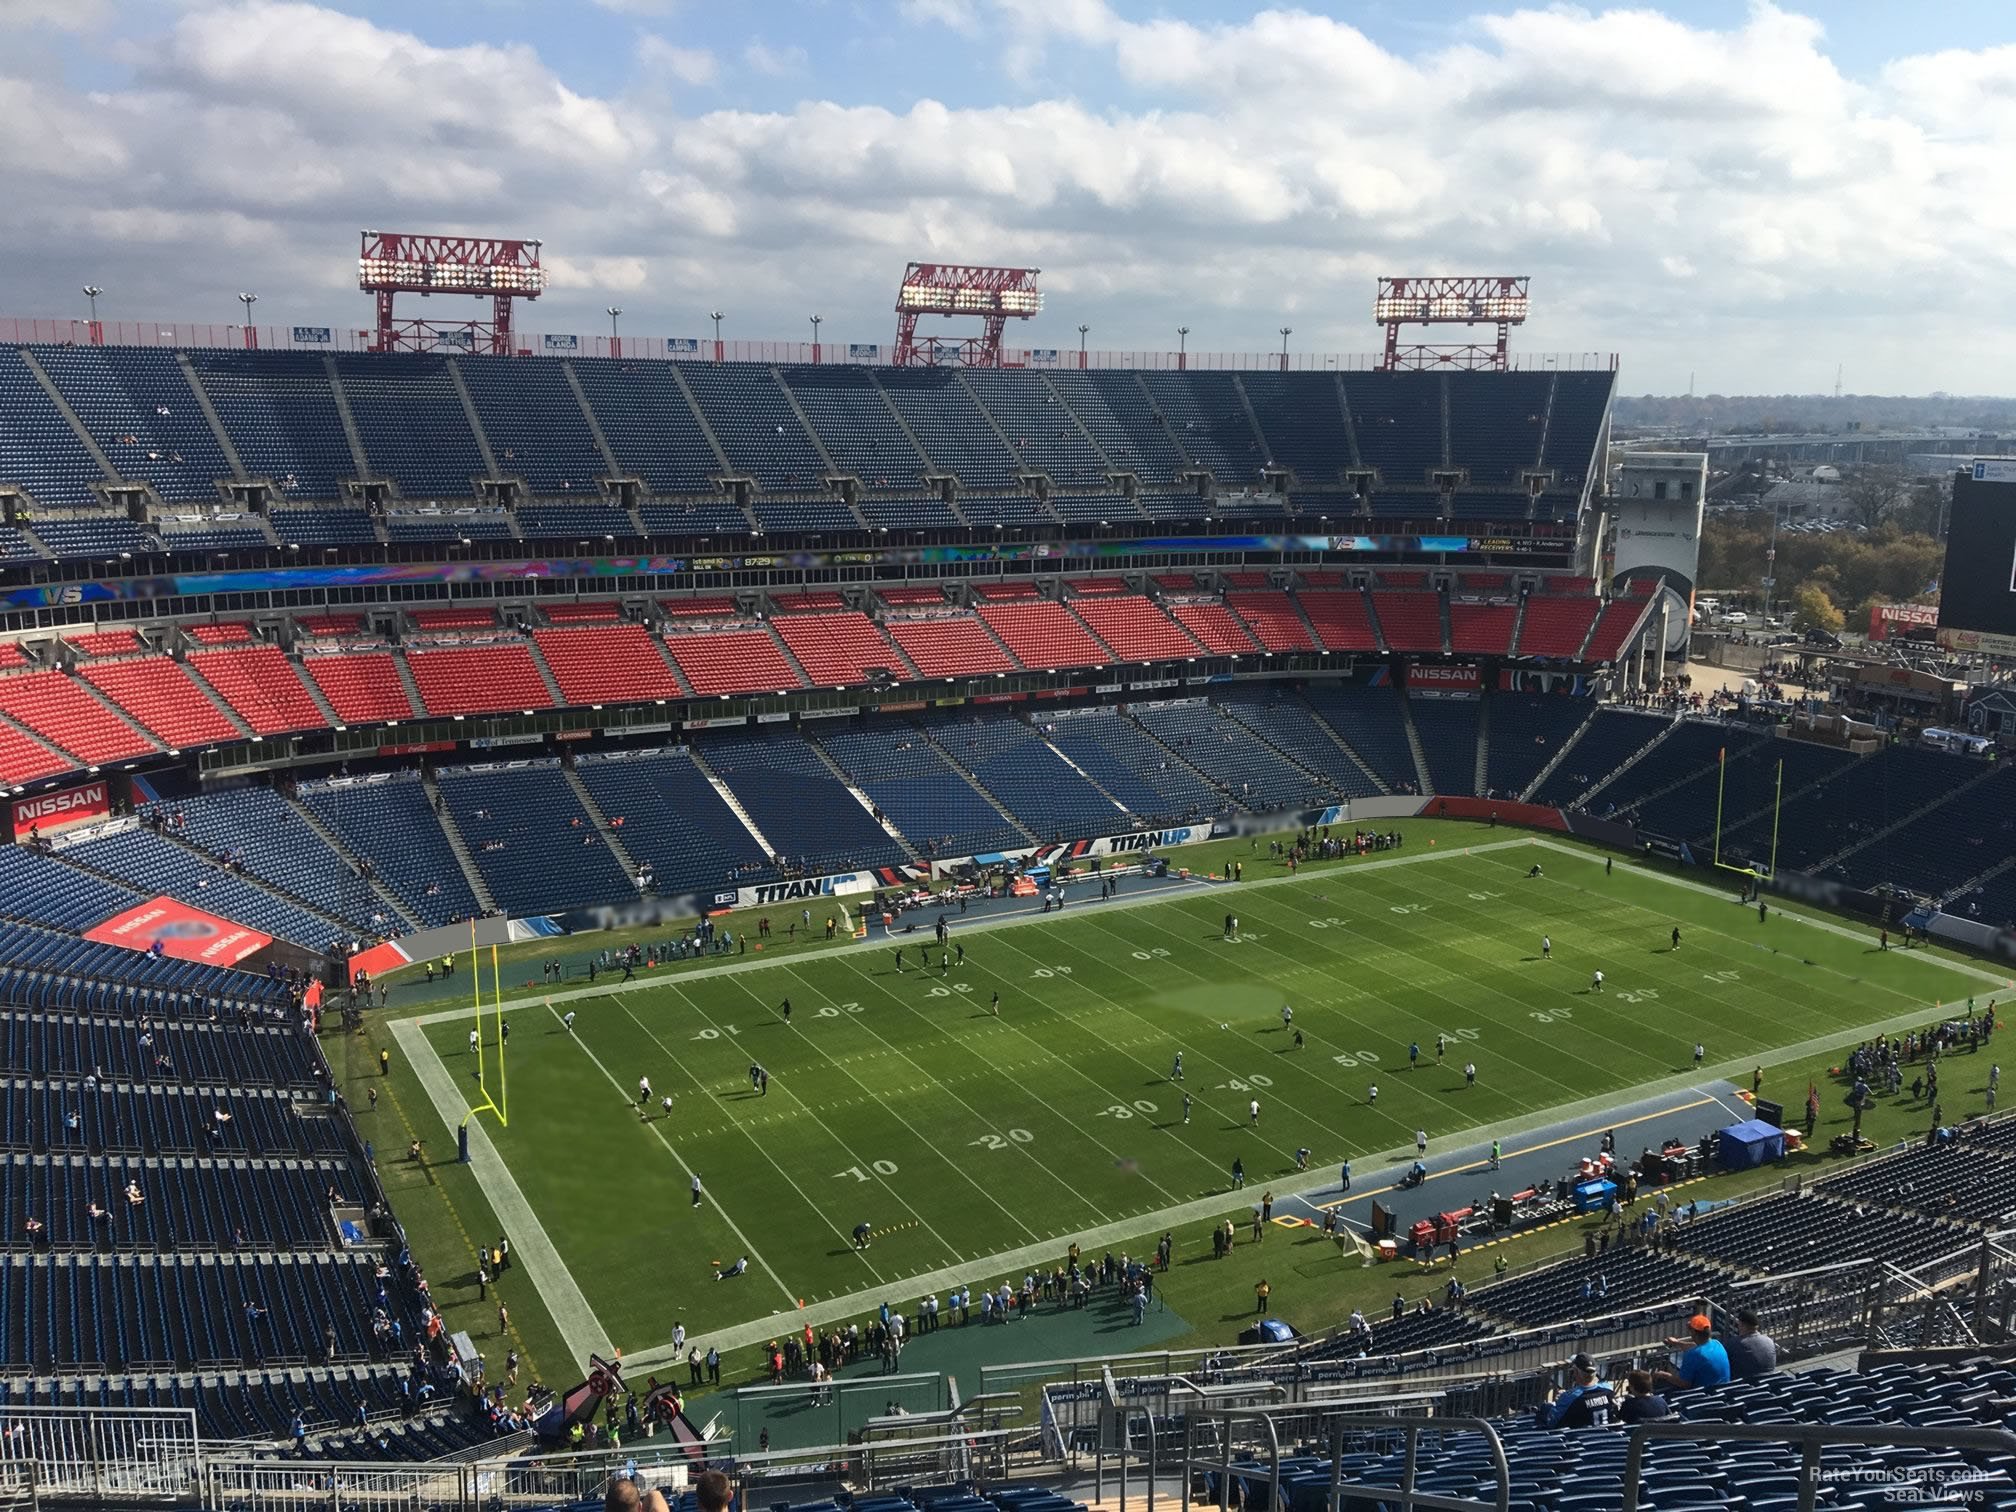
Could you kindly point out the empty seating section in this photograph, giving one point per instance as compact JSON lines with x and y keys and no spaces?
{"x":159,"y":696}
{"x":262,"y":1204}
{"x":1609,"y":740}
{"x":1102,"y":507}
{"x":1614,"y":627}
{"x":704,"y":517}
{"x":1122,"y":421}
{"x":1397,"y":418}
{"x":1303,"y":423}
{"x":1135,"y":628}
{"x":938,"y":811}
{"x":1850,"y":808}
{"x":1276,"y":622}
{"x":956,"y":645}
{"x":1742,"y":788}
{"x":1556,"y":625}
{"x":1580,"y":403}
{"x":1211,"y":740}
{"x":700,"y":604}
{"x":1944,"y":844}
{"x":70,"y":718}
{"x":1411,"y":621}
{"x":1006,"y":591}
{"x":1004,"y":509}
{"x":43,"y":889}
{"x":584,"y":521}
{"x":1214,"y":626}
{"x":950,"y":426}
{"x":756,"y":426}
{"x":220,"y":633}
{"x":478,"y":679}
{"x":924,"y":511}
{"x":261,"y":686}
{"x":1448,"y":730}
{"x":1371,"y":722}
{"x":732,"y":661}
{"x":1009,"y":758}
{"x":264,"y":836}
{"x":606,"y":664}
{"x":1341,"y":619}
{"x":459,"y":617}
{"x":322,"y":527}
{"x":649,"y":425}
{"x":527,"y":834}
{"x":591,"y":612}
{"x":388,"y":820}
{"x":38,"y":449}
{"x":801,"y":808}
{"x":1527,"y":731}
{"x":23,"y":759}
{"x":807,"y":601}
{"x":804,"y":514}
{"x":412,"y":423}
{"x":1689,"y":746}
{"x":104,"y":642}
{"x":212,"y":533}
{"x":1207,"y":418}
{"x":1124,"y":759}
{"x":860,"y":432}
{"x":16,"y":547}
{"x":838,"y":649}
{"x":92,"y":535}
{"x":136,"y":404}
{"x":534,"y":424}
{"x":1481,"y":629}
{"x":1283,"y":720}
{"x":1042,"y":634}
{"x":448,"y":525}
{"x":1045,"y":436}
{"x":281,"y":416}
{"x":362,"y":687}
{"x":674,"y":821}
{"x":157,"y":865}
{"x":1495,"y":423}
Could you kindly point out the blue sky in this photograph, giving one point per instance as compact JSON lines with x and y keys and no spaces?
{"x":1748,"y":193}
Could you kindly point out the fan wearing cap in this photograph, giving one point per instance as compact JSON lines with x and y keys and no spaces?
{"x":1585,"y":1403}
{"x":1702,"y":1360}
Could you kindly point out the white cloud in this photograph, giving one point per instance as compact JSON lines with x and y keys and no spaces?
{"x":1230,"y":173}
{"x":57,"y":15}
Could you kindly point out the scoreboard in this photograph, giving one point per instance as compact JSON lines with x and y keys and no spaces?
{"x":1977,"y":592}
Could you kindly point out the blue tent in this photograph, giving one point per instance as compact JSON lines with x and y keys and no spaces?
{"x":1750,"y":1143}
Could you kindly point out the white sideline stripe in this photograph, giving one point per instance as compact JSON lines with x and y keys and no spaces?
{"x":530,"y":1244}
{"x":1696,"y":1081}
{"x":707,"y":1197}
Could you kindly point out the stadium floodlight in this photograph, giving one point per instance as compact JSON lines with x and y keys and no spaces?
{"x":91,"y":292}
{"x":403,"y":262}
{"x":1457,"y":300}
{"x":614,"y":312}
{"x":249,"y":299}
{"x":993,"y":295}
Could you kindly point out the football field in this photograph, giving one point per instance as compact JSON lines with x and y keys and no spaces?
{"x":976,"y":1146}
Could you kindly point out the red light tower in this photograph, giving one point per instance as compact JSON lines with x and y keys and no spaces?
{"x":994,"y":294}
{"x":1448,"y":301}
{"x":396,"y":262}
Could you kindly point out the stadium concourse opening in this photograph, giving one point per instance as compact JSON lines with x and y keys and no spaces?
{"x":922,"y":830}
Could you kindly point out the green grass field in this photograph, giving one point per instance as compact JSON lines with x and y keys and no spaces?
{"x":898,"y":1098}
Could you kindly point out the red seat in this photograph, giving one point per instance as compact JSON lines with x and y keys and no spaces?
{"x":1341,"y":620}
{"x":1619,"y":619}
{"x":478,"y":679}
{"x":464,"y":617}
{"x":605,"y":664}
{"x":1217,"y":627}
{"x":583,"y":614}
{"x":1136,"y":628}
{"x":838,"y":649}
{"x":263,"y":687}
{"x":1482,"y":629}
{"x":1042,"y":635}
{"x":70,"y":718}
{"x":1270,"y":615}
{"x":105,"y":642}
{"x":954,"y":646}
{"x":24,"y":760}
{"x":1412,"y":621}
{"x":362,"y":687}
{"x":159,"y":696}
{"x":1556,"y":625}
{"x":732,"y":661}
{"x":229,"y":633}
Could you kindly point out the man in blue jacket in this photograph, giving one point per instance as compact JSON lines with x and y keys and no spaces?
{"x":1586,"y":1402}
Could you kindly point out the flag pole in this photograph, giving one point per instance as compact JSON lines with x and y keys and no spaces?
{"x":503,"y":1074}
{"x":1777,"y":805}
{"x":1721,"y":772}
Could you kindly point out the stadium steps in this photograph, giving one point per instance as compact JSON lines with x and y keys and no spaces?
{"x":833,"y":469}
{"x":735,"y":807}
{"x":992,"y":424}
{"x":315,"y":693}
{"x":999,"y":644}
{"x":216,"y":423}
{"x":1582,"y":651}
{"x":350,"y":432}
{"x":1085,"y":431}
{"x":1057,"y":751}
{"x":841,"y":776}
{"x":406,"y":681}
{"x":55,"y":394}
{"x":1302,"y":614}
{"x":90,"y":689}
{"x":1446,"y":449}
{"x":1422,"y":780}
{"x":707,"y":430}
{"x":1518,"y":626}
{"x":1987,"y":772}
{"x":1253,"y":418}
{"x":1176,"y":760}
{"x":1981,"y":880}
{"x":1350,"y":421}
{"x":560,"y":700}
{"x":330,"y":838}
{"x":338,"y":928}
{"x":455,"y":381}
{"x":1546,"y":425}
{"x":56,"y":752}
{"x":1479,"y":779}
{"x":1321,"y":779}
{"x":611,"y":837}
{"x":1379,"y":638}
{"x":790,"y":656}
{"x":979,"y":787}
{"x":1113,"y":658}
{"x":1154,"y":407}
{"x":1629,"y":762}
{"x":217,"y":699}
{"x":592,"y":420}
{"x":665,"y":655}
{"x":1316,"y":718}
{"x":455,"y":843}
{"x":1442,"y":615}
{"x":1558,"y":757}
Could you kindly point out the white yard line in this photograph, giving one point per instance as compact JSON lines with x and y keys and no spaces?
{"x":530,"y":1245}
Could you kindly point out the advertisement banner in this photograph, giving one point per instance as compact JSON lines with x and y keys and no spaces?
{"x":48,"y":813}
{"x":563,"y":343}
{"x":312,"y":333}
{"x":723,"y":722}
{"x":1459,"y":678}
{"x":187,"y":934}
{"x":1043,"y":357}
{"x":770,"y":894}
{"x":416,"y":748}
{"x":863,"y":351}
{"x":683,"y":346}
{"x":463,"y":340}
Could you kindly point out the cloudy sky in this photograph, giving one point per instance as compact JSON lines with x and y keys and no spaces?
{"x":1746,"y":193}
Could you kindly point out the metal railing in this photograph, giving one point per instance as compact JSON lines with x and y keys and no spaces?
{"x":100,"y":1454}
{"x":1248,"y":1444}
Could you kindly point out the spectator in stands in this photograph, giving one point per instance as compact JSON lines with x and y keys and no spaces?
{"x":625,"y":1495}
{"x":1586,"y":1403}
{"x":1755,"y":1352}
{"x":1641,"y":1403}
{"x":1702,"y":1360}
